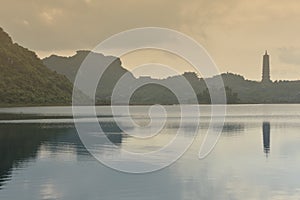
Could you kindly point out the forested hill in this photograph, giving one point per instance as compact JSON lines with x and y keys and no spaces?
{"x":24,"y":80}
{"x":256,"y":92}
{"x":69,"y":66}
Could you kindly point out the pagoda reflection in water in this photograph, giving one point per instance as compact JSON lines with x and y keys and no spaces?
{"x":266,"y":137}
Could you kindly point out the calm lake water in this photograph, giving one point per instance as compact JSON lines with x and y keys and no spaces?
{"x":256,"y":157}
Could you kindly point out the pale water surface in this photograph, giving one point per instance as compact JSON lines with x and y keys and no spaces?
{"x":257,"y":157}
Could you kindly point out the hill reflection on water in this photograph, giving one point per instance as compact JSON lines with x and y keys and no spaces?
{"x":20,"y":143}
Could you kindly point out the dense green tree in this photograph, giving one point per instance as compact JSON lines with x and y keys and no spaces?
{"x":24,"y":80}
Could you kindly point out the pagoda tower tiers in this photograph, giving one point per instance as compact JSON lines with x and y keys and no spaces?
{"x":266,"y":69}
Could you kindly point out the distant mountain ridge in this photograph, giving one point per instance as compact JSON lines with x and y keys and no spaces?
{"x":69,"y":66}
{"x":153,"y":93}
{"x":24,"y":80}
{"x":238,"y":89}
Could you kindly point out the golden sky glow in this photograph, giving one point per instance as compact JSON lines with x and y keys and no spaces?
{"x":235,"y":32}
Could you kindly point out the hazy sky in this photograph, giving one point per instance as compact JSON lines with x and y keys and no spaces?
{"x":235,"y":32}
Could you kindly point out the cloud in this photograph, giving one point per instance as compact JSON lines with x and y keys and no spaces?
{"x":290,"y":55}
{"x":65,"y":24}
{"x":51,"y":15}
{"x":235,"y":32}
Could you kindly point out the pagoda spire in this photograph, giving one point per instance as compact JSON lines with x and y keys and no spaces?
{"x":266,"y":68}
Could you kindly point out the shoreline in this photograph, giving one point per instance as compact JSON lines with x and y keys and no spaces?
{"x":70,"y":105}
